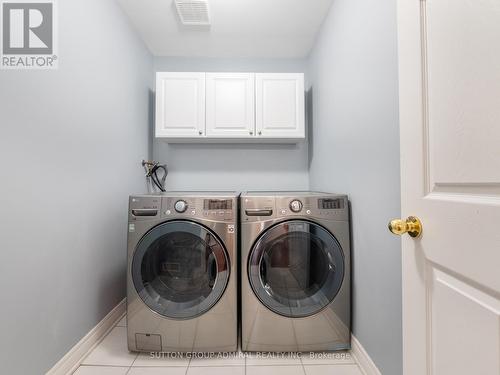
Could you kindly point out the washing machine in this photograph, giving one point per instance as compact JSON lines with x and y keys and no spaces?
{"x":296,"y":271}
{"x":182,"y":284}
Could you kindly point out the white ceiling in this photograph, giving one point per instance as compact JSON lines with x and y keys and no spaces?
{"x":239,"y":28}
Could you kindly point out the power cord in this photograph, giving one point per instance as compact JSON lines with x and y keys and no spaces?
{"x":151,"y":168}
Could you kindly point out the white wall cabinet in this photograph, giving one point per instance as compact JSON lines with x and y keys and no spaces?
{"x":230,"y":107}
{"x":180,"y":105}
{"x":230,"y":103}
{"x":280,"y":105}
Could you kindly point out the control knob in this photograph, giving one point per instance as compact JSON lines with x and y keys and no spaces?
{"x":296,"y":206}
{"x":181,"y":206}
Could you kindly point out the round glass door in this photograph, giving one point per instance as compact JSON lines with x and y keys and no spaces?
{"x":180,"y":269}
{"x":296,"y":268}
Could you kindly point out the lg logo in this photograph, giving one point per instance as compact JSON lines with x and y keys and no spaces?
{"x":28,"y":31}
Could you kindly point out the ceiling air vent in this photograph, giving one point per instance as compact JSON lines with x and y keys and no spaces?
{"x":193,"y":12}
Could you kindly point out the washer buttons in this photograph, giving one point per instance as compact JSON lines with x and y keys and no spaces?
{"x":308,"y":212}
{"x":167,"y":212}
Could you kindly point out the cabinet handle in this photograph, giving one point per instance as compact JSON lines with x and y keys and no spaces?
{"x":260,"y":133}
{"x":251,"y":132}
{"x":200,"y":132}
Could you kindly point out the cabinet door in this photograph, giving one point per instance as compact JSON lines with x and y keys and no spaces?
{"x":280,"y":105}
{"x":180,"y":105}
{"x":230,"y":105}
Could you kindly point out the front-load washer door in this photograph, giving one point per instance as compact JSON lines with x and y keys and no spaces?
{"x":180,"y":269}
{"x":296,"y":268}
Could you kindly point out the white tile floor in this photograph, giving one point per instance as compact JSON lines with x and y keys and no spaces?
{"x":111,"y":357}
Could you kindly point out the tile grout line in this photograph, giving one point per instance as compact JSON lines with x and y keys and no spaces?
{"x":102,"y":365}
{"x":94,"y":348}
{"x":302,"y":364}
{"x":132,"y":364}
{"x":188,"y":365}
{"x":137,"y":354}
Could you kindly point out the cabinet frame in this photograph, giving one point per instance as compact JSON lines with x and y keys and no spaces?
{"x":202,"y":126}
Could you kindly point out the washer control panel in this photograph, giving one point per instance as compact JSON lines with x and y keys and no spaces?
{"x":220,"y":208}
{"x":217,"y":209}
{"x":263,"y":207}
{"x":334,"y":207}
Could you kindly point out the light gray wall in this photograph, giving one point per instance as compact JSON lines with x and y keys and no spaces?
{"x":233,"y":166}
{"x":70,"y":149}
{"x":355,"y":150}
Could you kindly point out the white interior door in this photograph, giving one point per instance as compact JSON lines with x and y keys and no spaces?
{"x":449,"y":53}
{"x":230,"y":105}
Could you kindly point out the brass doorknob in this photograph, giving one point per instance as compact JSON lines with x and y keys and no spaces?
{"x":411,"y":225}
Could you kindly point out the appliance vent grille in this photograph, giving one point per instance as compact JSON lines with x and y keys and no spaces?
{"x":193,"y":12}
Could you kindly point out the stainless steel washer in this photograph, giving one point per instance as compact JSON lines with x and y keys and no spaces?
{"x":295,"y":284}
{"x":181,"y":278}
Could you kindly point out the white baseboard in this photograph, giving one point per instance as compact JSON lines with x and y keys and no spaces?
{"x":72,"y":359}
{"x":361,"y":356}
